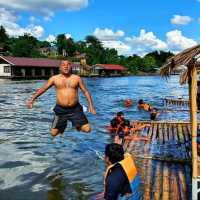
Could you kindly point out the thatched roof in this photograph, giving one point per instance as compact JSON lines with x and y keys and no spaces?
{"x":182,"y":60}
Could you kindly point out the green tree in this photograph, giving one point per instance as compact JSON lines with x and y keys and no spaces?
{"x":93,"y":41}
{"x":94,"y":50}
{"x":3,"y":35}
{"x":81,"y":46}
{"x":4,"y":39}
{"x":160,"y":57}
{"x":133,"y":63}
{"x":61,"y":43}
{"x":66,"y":46}
{"x":110,"y":56}
{"x":149,"y":64}
{"x":25,"y":46}
{"x":42,"y":44}
{"x":70,"y":47}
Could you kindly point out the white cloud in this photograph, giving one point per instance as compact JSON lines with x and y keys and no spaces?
{"x":9,"y":19}
{"x":120,"y":46}
{"x":181,"y":20}
{"x":107,"y":34}
{"x":44,"y":7}
{"x":145,"y":43}
{"x":51,"y":38}
{"x":177,"y":42}
{"x":34,"y":30}
{"x":67,"y":35}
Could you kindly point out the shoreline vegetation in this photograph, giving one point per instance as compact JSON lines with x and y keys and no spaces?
{"x":90,"y":49}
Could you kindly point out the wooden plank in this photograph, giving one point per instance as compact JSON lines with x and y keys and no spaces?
{"x":150,"y":133}
{"x":180,"y":133}
{"x":164,"y":121}
{"x":182,"y":184}
{"x":189,"y":131}
{"x":126,"y":144}
{"x":165,"y":185}
{"x":173,"y":187}
{"x":160,"y":134}
{"x":187,"y":142}
{"x":182,"y":141}
{"x":170,"y":127}
{"x":158,"y":182}
{"x":131,"y":147}
{"x":164,"y":159}
{"x":185,"y":132}
{"x":187,"y":173}
{"x":147,"y":181}
{"x":175,"y":133}
{"x":155,"y":126}
{"x":166,"y":133}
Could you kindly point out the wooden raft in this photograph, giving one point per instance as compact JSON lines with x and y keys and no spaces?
{"x":165,"y":175}
{"x":176,"y":102}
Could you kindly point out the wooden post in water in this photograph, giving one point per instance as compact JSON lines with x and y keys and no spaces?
{"x":193,"y":115}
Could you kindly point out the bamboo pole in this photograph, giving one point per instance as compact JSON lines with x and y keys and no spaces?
{"x":182,"y":184}
{"x":148,"y":180}
{"x":165,"y":186}
{"x":166,"y":133}
{"x":174,"y":190}
{"x":193,"y":117}
{"x":193,"y":114}
{"x":157,"y":188}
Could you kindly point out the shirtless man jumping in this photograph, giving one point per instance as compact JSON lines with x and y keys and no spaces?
{"x":67,"y":100}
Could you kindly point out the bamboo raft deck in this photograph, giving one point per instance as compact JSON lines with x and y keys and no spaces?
{"x":176,"y":102}
{"x":164,"y":163}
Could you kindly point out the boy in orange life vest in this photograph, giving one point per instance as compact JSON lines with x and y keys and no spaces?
{"x":118,"y":120}
{"x":144,"y":106}
{"x":121,"y":179}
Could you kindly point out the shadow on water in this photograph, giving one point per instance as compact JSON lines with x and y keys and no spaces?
{"x":32,"y":166}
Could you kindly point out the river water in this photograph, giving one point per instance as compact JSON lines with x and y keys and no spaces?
{"x":33,"y":166}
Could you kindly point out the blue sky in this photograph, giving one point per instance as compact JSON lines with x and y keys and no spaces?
{"x":130,"y":26}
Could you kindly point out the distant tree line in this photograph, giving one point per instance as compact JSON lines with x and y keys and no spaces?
{"x":29,"y":46}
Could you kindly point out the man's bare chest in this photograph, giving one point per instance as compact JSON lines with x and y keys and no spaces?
{"x":66,"y":84}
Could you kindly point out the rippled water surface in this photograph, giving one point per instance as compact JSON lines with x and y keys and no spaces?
{"x":33,"y":166}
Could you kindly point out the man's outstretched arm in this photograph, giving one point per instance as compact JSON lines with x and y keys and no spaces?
{"x":39,"y":92}
{"x":87,"y":95}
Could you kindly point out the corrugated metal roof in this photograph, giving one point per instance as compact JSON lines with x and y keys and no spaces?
{"x":31,"y":62}
{"x":112,"y":67}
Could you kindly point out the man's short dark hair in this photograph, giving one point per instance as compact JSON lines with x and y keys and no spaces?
{"x":119,"y":114}
{"x":114,"y":152}
{"x":140,"y":101}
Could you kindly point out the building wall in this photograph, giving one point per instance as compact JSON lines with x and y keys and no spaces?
{"x":2,"y":72}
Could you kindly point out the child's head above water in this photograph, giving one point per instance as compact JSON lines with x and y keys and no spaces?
{"x":140,"y":101}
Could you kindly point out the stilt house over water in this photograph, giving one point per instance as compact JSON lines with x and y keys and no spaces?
{"x":189,"y":61}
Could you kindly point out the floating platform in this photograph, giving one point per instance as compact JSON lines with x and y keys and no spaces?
{"x":164,"y":163}
{"x":176,"y":102}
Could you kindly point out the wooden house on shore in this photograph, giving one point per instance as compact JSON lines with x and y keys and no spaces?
{"x":108,"y":70}
{"x":21,"y":67}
